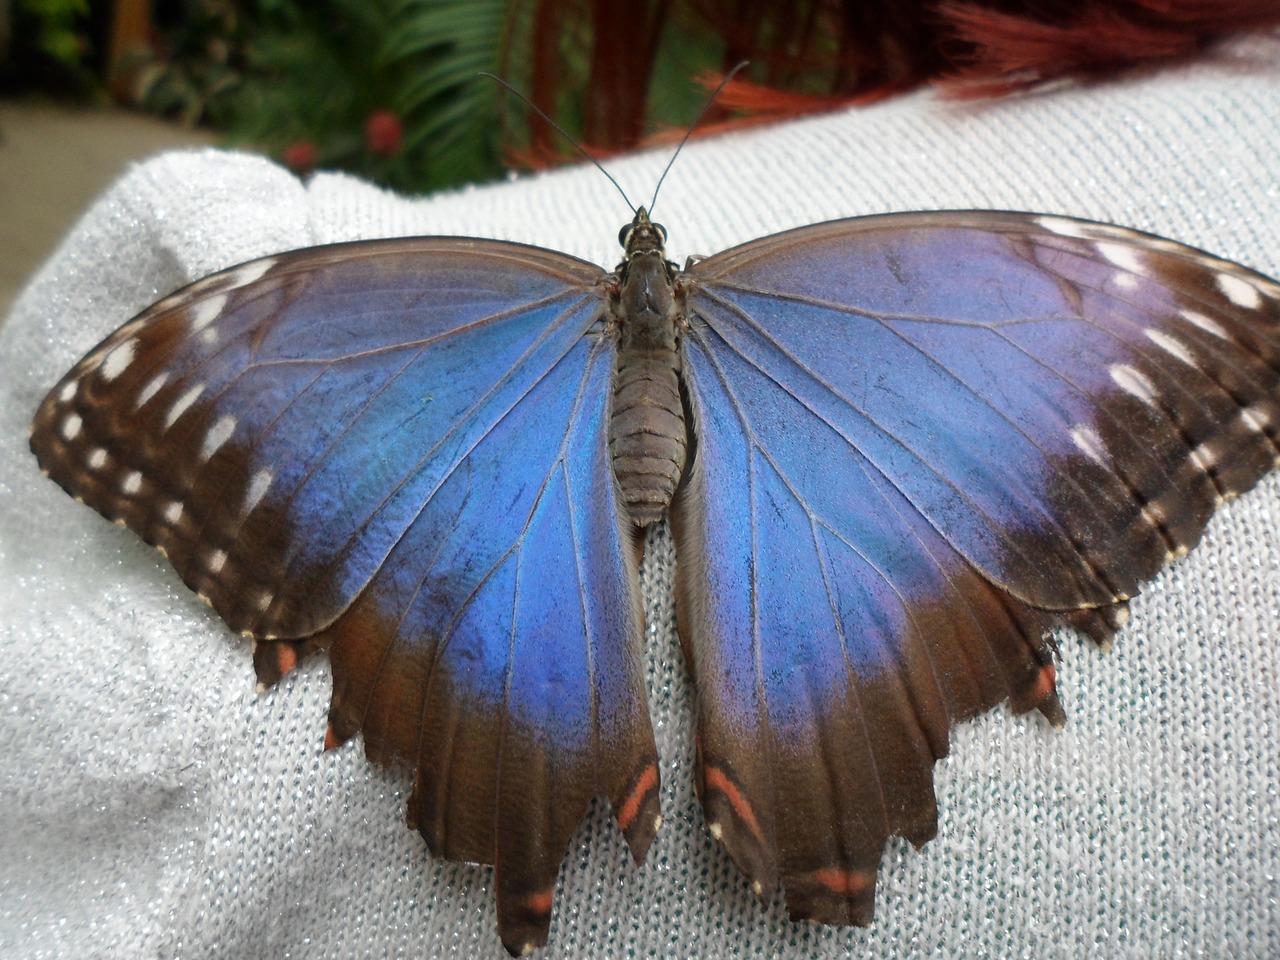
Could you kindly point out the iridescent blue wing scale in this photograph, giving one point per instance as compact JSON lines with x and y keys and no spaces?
{"x":397,"y":450}
{"x":921,"y":440}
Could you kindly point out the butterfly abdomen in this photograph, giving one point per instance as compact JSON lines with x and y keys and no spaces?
{"x":647,"y":434}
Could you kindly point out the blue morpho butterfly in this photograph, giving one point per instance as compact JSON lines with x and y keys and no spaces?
{"x":896,"y":450}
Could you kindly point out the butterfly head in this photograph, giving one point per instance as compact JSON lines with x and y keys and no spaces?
{"x":642,"y":235}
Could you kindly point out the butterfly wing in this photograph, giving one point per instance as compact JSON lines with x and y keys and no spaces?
{"x":922,"y":440}
{"x":397,"y":450}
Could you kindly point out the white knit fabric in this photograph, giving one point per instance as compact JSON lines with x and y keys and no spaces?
{"x":152,"y":805}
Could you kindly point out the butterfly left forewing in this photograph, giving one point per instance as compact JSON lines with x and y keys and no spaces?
{"x":397,"y":450}
{"x":256,"y":424}
{"x":920,"y":440}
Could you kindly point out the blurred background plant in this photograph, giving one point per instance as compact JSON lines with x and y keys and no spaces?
{"x":385,"y":88}
{"x":45,"y":44}
{"x":388,"y":89}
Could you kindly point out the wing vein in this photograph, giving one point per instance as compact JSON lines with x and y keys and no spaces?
{"x":455,"y":428}
{"x":557,"y":463}
{"x":995,"y":528}
{"x":588,"y":625}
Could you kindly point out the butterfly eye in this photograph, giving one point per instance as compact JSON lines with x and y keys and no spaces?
{"x":662,"y":231}
{"x":623,"y":236}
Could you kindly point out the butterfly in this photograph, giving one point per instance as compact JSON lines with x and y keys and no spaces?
{"x":895,"y":452}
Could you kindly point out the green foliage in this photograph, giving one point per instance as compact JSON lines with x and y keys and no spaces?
{"x":389,"y":89}
{"x":49,"y":47}
{"x":198,"y":64}
{"x":318,"y":72}
{"x":440,"y":47}
{"x":58,"y":34}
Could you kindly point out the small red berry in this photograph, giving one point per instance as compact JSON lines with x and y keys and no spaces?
{"x":383,"y":132}
{"x":301,"y":155}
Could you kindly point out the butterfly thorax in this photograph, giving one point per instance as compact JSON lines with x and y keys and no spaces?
{"x":647,"y":427}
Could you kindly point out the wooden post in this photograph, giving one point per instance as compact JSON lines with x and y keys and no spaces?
{"x":130,"y":34}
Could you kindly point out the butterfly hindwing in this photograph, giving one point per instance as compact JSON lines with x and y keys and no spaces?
{"x":818,"y":654}
{"x":397,"y":450}
{"x":921,"y":440}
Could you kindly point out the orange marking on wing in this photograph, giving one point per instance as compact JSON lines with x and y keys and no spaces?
{"x":540,"y":902}
{"x":330,"y":738}
{"x":286,"y":658}
{"x":717,"y":779}
{"x":631,"y":806}
{"x":845,"y":883}
{"x":1045,"y":682}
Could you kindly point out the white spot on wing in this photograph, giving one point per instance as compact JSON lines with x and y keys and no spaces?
{"x":97,"y":459}
{"x":1124,"y":257}
{"x":1125,"y":281}
{"x":1063,"y":227}
{"x":1204,"y":457}
{"x":182,"y":405}
{"x":1090,"y":444}
{"x":1207,"y":324}
{"x":118,"y":360}
{"x":132,"y":483}
{"x":251,"y":272}
{"x":207,"y":312}
{"x":1133,"y":382}
{"x":151,"y":389}
{"x":68,"y":391}
{"x":173,"y":512}
{"x":258,"y":487}
{"x":218,"y":434}
{"x":1255,"y":418}
{"x":216,"y":560}
{"x":1170,"y":345}
{"x":264,"y":599}
{"x":1239,"y":291}
{"x":71,"y":427}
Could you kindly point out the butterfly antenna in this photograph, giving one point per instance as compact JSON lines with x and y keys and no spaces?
{"x":693,"y":126}
{"x":564,"y":133}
